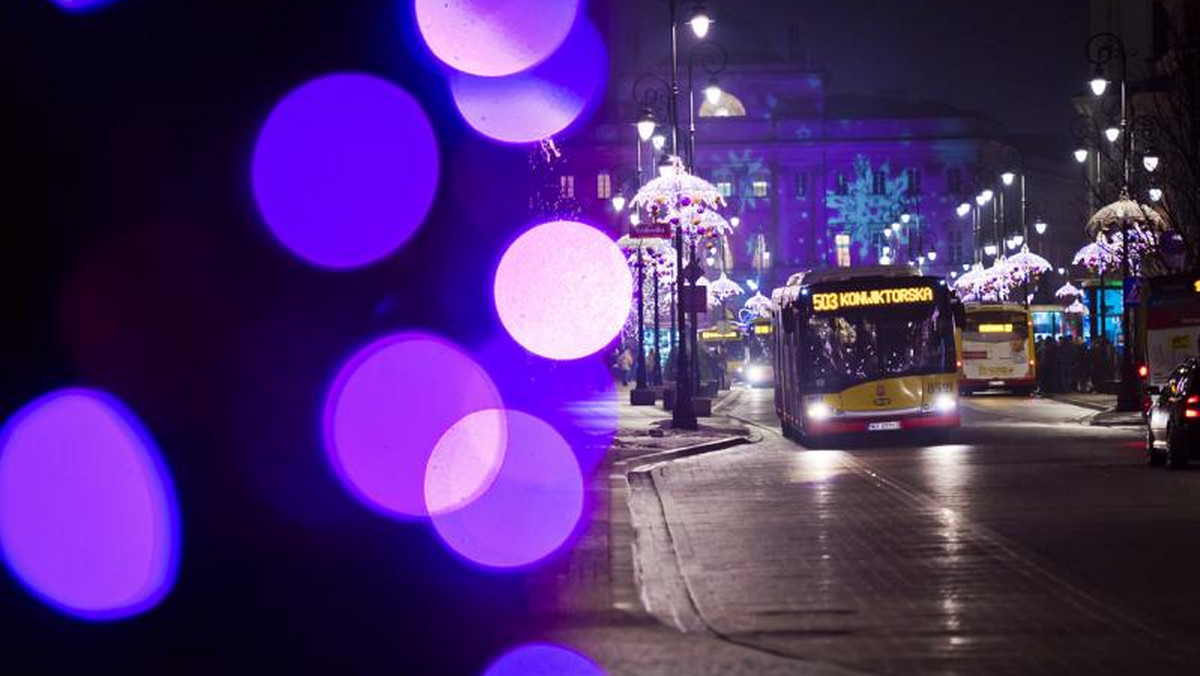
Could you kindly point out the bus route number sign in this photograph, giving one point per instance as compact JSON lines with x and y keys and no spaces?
{"x":833,"y":301}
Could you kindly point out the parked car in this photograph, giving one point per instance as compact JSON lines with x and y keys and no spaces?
{"x":1173,"y":427}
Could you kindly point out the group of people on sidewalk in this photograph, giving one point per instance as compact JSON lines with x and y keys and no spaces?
{"x":713,"y":365}
{"x":1071,"y":365}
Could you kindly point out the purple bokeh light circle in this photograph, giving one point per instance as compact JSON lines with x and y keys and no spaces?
{"x":388,"y":407}
{"x":81,"y":5}
{"x":494,"y":37}
{"x":542,"y":659}
{"x":541,"y":102}
{"x":88,"y":514}
{"x":563,"y":290}
{"x":532,"y":506}
{"x":345,"y":170}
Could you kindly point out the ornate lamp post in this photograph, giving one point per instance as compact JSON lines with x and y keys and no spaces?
{"x":1102,"y":49}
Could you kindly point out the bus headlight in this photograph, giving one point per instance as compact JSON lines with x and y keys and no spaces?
{"x":755,"y":374}
{"x":944,"y":402}
{"x":819,"y":410}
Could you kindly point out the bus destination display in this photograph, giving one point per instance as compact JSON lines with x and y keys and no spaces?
{"x":833,"y":301}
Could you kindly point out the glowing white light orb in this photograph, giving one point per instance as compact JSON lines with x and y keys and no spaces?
{"x":563,"y":290}
{"x":492,"y":39}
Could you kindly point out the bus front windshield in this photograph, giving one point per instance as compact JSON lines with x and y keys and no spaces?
{"x":848,"y":348}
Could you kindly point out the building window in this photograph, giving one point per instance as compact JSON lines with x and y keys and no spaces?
{"x":839,"y":184}
{"x":843,"y":250}
{"x":725,"y":188}
{"x":878,"y":182}
{"x":801,"y":185}
{"x":760,"y":188}
{"x":566,"y":187}
{"x":954,"y":181}
{"x":914,"y":180}
{"x":603,"y":185}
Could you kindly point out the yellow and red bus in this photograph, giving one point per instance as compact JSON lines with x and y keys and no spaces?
{"x":996,"y":349}
{"x":864,"y":350}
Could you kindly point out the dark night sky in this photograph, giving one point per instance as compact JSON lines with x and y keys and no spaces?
{"x":1018,"y":61}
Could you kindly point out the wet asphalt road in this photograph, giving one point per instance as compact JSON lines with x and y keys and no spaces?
{"x":1032,"y":543}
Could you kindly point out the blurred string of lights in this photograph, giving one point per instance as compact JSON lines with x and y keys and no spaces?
{"x":344,"y":172}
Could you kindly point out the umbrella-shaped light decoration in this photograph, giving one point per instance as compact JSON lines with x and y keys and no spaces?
{"x":758,"y":305}
{"x":995,"y":282}
{"x":1068,"y":290}
{"x":724,"y":288}
{"x":1112,"y":217}
{"x":705,"y":224}
{"x":967,"y":285}
{"x":677,"y":196}
{"x":1097,"y":256}
{"x":1026,"y":266}
{"x":1076,"y":308}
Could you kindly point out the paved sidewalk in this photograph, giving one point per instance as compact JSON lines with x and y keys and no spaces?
{"x":1106,"y":404}
{"x":589,"y":600}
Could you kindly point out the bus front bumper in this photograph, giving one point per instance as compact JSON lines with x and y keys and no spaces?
{"x":883,"y":423}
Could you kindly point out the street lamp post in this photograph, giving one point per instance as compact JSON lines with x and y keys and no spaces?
{"x":1101,"y":49}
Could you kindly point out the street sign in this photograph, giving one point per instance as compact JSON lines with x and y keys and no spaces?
{"x":692,"y":272}
{"x":651,"y":230}
{"x":695,"y":299}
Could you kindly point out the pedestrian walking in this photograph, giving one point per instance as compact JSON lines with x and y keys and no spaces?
{"x":625,"y":365}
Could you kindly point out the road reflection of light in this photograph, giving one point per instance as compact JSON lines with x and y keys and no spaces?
{"x":948,"y":473}
{"x":816,"y":466}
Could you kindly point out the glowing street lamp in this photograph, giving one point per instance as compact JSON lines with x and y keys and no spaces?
{"x":700,"y":22}
{"x":905,"y":218}
{"x":1040,"y":226}
{"x":987,"y":195}
{"x":1150,"y":162}
{"x":966,"y":267}
{"x":712,"y":93}
{"x":963,"y":209}
{"x":618,"y":202}
{"x":645,"y":125}
{"x":735,"y":221}
{"x":1098,"y":85}
{"x":1112,"y":134}
{"x":1156,"y":194}
{"x":1018,"y":240}
{"x":932,"y":256}
{"x":1008,"y":177}
{"x":634,"y":218}
{"x":989,"y":249}
{"x":1081,"y":155}
{"x":659,"y":141}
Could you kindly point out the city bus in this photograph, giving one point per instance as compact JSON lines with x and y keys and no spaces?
{"x":996,"y":349}
{"x":864,"y":350}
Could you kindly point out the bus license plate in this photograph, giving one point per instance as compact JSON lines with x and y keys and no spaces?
{"x":880,"y":426}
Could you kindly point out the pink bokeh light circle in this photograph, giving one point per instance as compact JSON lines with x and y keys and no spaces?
{"x":531,"y":508}
{"x":494,"y":37}
{"x":563,"y":290}
{"x":88,"y":515}
{"x":465,"y":461}
{"x":541,"y":102}
{"x":386,"y":411}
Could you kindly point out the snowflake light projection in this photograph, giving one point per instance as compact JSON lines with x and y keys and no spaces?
{"x":861,"y":209}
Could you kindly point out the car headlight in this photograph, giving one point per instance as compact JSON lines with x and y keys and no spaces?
{"x":756,"y":374}
{"x":944,"y":402}
{"x":819,"y":410}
